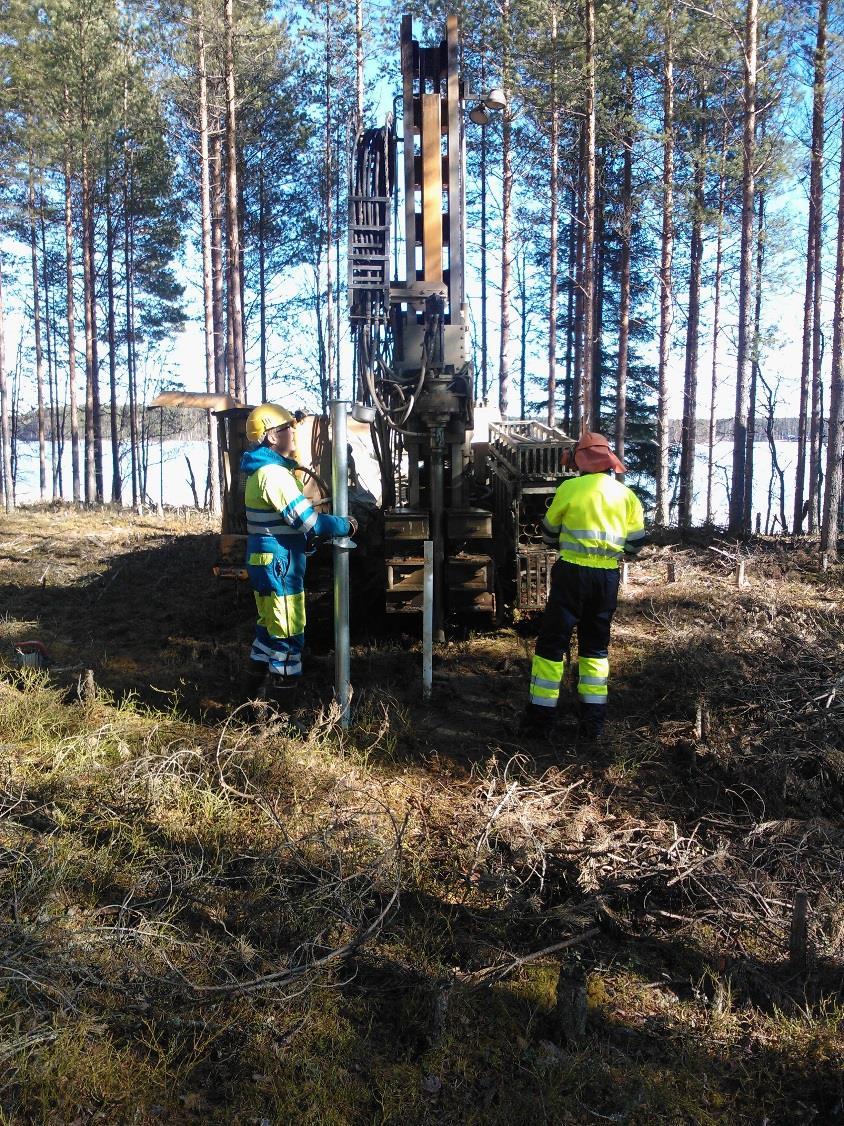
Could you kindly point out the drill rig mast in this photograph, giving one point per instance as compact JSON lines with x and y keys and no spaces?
{"x":414,"y":374}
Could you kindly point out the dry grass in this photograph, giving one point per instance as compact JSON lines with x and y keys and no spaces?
{"x":209,"y":921}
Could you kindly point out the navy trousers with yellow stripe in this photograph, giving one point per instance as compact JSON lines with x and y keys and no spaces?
{"x":585,"y":599}
{"x":277,"y":574}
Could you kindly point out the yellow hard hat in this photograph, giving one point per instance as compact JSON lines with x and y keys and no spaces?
{"x":266,"y":417}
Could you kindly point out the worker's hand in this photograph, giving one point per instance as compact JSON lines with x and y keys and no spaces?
{"x":353,"y":526}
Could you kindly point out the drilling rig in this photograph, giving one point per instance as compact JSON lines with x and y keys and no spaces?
{"x":414,"y":375}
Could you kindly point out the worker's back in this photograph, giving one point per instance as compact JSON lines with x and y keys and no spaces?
{"x":594,"y":520}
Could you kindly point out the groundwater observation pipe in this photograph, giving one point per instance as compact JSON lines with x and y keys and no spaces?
{"x":342,"y":545}
{"x":428,"y":620}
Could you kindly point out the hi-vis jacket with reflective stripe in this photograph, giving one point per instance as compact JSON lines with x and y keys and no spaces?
{"x":275,"y":505}
{"x":594,"y":520}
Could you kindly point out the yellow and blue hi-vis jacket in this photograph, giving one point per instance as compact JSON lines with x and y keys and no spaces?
{"x":594,"y":521}
{"x":278,"y":520}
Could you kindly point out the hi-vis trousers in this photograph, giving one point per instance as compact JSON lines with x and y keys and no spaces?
{"x":585,"y":599}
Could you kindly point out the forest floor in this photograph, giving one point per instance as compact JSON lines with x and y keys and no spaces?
{"x":424,"y":918}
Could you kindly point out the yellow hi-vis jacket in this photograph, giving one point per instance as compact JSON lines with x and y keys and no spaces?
{"x":594,"y":520}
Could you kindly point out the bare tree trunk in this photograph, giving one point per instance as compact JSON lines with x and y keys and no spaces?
{"x":6,"y":481}
{"x":116,"y":485}
{"x":689,"y":428}
{"x":39,"y":352}
{"x":328,"y":213}
{"x":835,"y":438}
{"x":661,"y":514}
{"x":52,"y":380}
{"x":577,"y":423}
{"x":506,"y":218}
{"x":737,"y":509}
{"x":810,"y":304}
{"x":207,"y":284}
{"x":571,"y":301}
{"x":359,"y":60}
{"x":624,"y":283}
{"x":754,"y":367}
{"x":598,"y":298}
{"x":138,"y":491}
{"x":90,"y":333}
{"x":219,"y":303}
{"x":523,"y":328}
{"x":817,"y":287}
{"x":589,"y":224}
{"x":716,"y":314}
{"x":554,"y":191}
{"x":71,"y":333}
{"x":237,"y":358}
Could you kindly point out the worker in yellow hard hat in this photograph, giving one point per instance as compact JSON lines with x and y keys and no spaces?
{"x":279,"y":519}
{"x":593,"y":521}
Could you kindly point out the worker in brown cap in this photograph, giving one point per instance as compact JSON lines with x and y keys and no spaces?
{"x":593,"y":521}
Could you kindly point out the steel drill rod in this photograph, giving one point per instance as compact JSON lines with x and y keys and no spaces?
{"x":340,"y":503}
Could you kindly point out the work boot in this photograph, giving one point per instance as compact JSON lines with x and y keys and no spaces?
{"x":591,"y":720}
{"x":537,"y":722}
{"x":283,"y":692}
{"x":253,"y":680}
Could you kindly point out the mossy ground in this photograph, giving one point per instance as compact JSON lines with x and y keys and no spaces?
{"x":190,"y":927}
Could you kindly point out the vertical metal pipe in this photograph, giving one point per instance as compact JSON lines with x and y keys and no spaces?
{"x":436,"y":503}
{"x":428,"y":620}
{"x":340,"y":504}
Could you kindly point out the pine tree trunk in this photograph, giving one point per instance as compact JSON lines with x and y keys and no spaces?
{"x":116,"y":484}
{"x":506,"y":218}
{"x":138,"y":492}
{"x":523,"y":325}
{"x":553,"y":234}
{"x":207,"y":283}
{"x":571,"y":300}
{"x":71,"y":334}
{"x":8,"y":488}
{"x":661,"y":514}
{"x":580,"y":239}
{"x":689,"y":426}
{"x":262,"y":274}
{"x":586,"y":391}
{"x":39,"y":352}
{"x":598,"y":300}
{"x":743,"y":361}
{"x":217,"y":284}
{"x":328,"y":216}
{"x":90,"y":334}
{"x":817,"y":285}
{"x":624,"y":282}
{"x":49,"y":335}
{"x":716,"y":314}
{"x":237,"y":357}
{"x":754,"y":367}
{"x":812,"y":254}
{"x":359,"y":62}
{"x":835,"y":437}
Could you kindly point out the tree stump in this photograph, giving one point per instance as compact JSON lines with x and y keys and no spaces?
{"x":571,"y":1006}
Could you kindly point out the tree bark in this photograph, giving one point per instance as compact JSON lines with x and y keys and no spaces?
{"x":661,"y":514}
{"x":207,"y":283}
{"x":819,"y":94}
{"x":328,"y":213}
{"x":835,"y":438}
{"x":237,"y":358}
{"x":217,"y":274}
{"x":554,"y":192}
{"x":8,"y":487}
{"x":754,"y":366}
{"x":116,"y":484}
{"x":743,"y":361}
{"x":506,"y":218}
{"x":90,"y":333}
{"x":71,"y":333}
{"x":624,"y":281}
{"x":586,"y":391}
{"x":812,"y":255}
{"x":689,"y":426}
{"x":716,"y":314}
{"x":52,"y":379}
{"x":39,"y":351}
